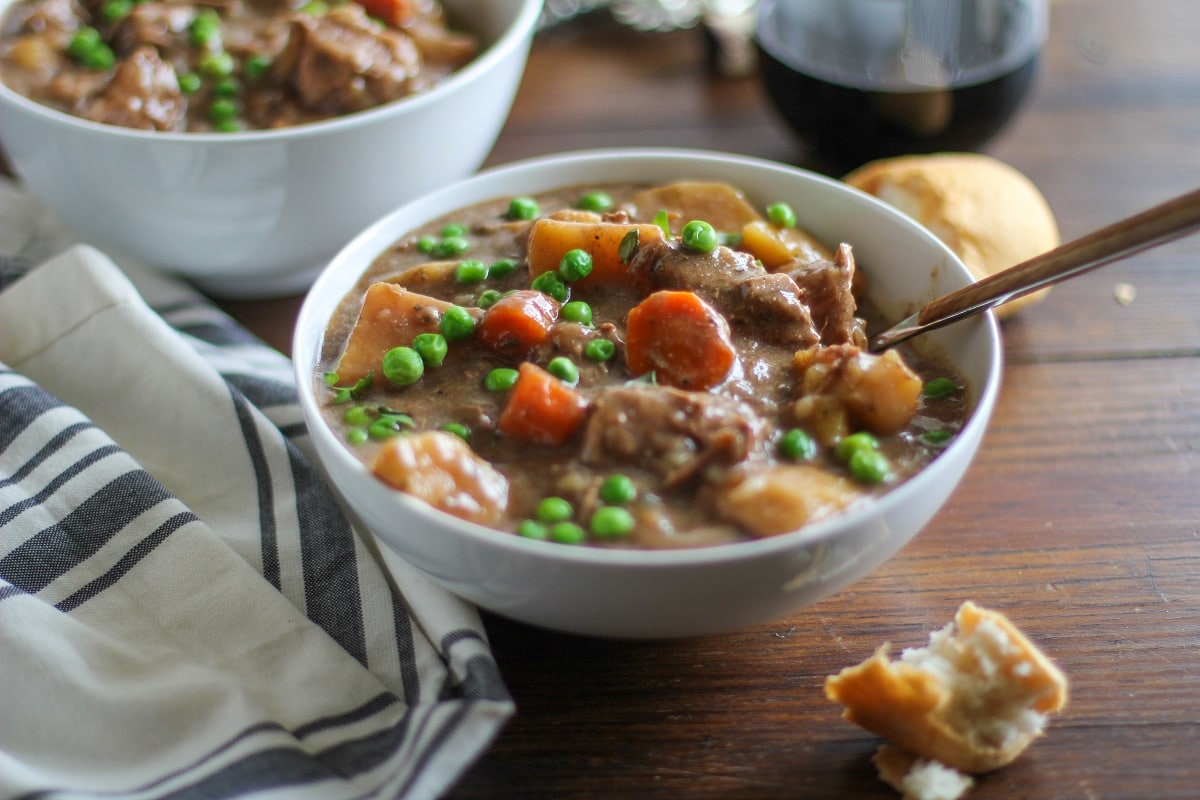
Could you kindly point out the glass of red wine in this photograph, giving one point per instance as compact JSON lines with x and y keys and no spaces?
{"x":865,"y":79}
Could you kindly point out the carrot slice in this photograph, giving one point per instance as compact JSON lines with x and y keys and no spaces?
{"x":683,"y":340}
{"x":518,"y":322}
{"x":542,"y":409}
{"x":397,"y":13}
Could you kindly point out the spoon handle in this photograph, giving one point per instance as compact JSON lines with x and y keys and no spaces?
{"x":1162,"y":223}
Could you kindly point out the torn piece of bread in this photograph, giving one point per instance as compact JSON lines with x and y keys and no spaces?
{"x":990,"y":214}
{"x":919,"y":778}
{"x":973,"y":699}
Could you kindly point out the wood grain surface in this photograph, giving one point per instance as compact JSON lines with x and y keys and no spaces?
{"x":1080,"y":518}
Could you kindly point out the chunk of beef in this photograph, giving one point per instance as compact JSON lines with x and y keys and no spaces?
{"x":669,"y":432}
{"x":826,"y":288}
{"x":43,"y":16}
{"x":162,"y":25}
{"x":768,"y":305}
{"x":342,"y":61}
{"x":143,"y":93}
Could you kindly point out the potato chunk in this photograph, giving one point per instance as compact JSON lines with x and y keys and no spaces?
{"x":391,"y":316}
{"x":442,"y":470}
{"x":878,"y":392}
{"x":550,"y":239}
{"x":784,"y":498}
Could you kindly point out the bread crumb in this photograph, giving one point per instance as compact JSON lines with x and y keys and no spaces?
{"x":1125,"y":293}
{"x":973,"y":699}
{"x":918,"y":778}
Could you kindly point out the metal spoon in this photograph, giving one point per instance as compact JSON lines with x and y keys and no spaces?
{"x":1163,"y":223}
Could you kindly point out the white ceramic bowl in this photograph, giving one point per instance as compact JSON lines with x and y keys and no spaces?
{"x":654,"y":594}
{"x":259,"y":213}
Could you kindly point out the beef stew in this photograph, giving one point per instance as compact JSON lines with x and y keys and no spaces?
{"x":225,"y":65}
{"x":628,"y":366}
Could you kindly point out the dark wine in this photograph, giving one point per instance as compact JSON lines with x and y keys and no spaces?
{"x":856,"y":99}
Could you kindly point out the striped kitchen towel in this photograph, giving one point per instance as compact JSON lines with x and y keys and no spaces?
{"x":185,"y":612}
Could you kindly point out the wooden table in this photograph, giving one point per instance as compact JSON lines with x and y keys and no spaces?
{"x":1080,"y":518}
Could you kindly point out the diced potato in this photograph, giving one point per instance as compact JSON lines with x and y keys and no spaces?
{"x":718,"y":204}
{"x":783,"y":498}
{"x":420,"y":278}
{"x":391,"y":316}
{"x":880,"y":393}
{"x":575,"y":215}
{"x":442,"y":470}
{"x":550,"y":239}
{"x":777,"y":247}
{"x":36,"y":53}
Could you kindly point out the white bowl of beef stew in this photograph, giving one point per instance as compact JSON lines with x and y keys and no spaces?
{"x":259,"y":209}
{"x":724,"y":519}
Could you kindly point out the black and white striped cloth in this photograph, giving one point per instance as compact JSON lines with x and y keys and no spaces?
{"x":184,"y":610}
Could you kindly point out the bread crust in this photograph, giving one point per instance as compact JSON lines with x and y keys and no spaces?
{"x":973,"y":700}
{"x":991,"y":215}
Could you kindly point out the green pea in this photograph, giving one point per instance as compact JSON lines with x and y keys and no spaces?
{"x":431,"y":347}
{"x":551,"y":283}
{"x":599,"y":350}
{"x":451,"y":246}
{"x":531,"y":529}
{"x":427,"y":244}
{"x":502,"y":268}
{"x":781,"y":215}
{"x":869,"y":466}
{"x":575,"y":265}
{"x":357,"y":435}
{"x":256,"y":67}
{"x":116,"y":10}
{"x":618,"y":490}
{"x":567,"y":533}
{"x":488,"y":298}
{"x":611,"y":522}
{"x":205,"y":29}
{"x":470,"y":271}
{"x":384,"y":428}
{"x":730,"y":240}
{"x":939,"y":387}
{"x":357,"y":415}
{"x":403,"y":366}
{"x":577,"y":311}
{"x":227,"y":87}
{"x":699,"y":236}
{"x":553,"y":509}
{"x":849,"y":445}
{"x":190,"y":82}
{"x":501,"y":379}
{"x":216,"y":65}
{"x":227,"y":126}
{"x":454,"y":229}
{"x":523,"y":208}
{"x":457,"y":324}
{"x":458,"y":429}
{"x":222,"y":109}
{"x":797,"y":445}
{"x":597,"y":201}
{"x":564,"y":369}
{"x":88,"y":48}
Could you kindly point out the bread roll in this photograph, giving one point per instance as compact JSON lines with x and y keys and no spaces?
{"x":988,"y":213}
{"x":973,"y":700}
